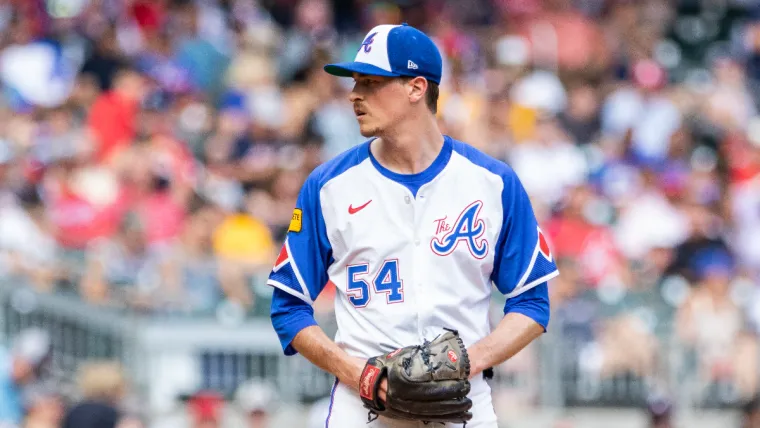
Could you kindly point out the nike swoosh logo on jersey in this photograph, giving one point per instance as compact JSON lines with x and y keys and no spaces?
{"x":352,"y":210}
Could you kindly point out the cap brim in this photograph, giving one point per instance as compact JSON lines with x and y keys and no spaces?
{"x":347,"y":69}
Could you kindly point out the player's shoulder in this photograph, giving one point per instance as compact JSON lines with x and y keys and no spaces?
{"x":338,"y":165}
{"x":483,"y":160}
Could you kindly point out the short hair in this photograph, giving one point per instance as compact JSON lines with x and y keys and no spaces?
{"x":431,"y":95}
{"x":102,"y":380}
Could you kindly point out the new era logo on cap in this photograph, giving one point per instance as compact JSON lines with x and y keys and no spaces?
{"x":394,"y":51}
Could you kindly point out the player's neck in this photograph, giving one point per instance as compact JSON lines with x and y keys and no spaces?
{"x":411,"y":147}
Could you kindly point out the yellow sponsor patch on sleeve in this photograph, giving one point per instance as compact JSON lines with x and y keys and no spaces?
{"x":296,"y":221}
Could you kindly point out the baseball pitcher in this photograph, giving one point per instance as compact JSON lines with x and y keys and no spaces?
{"x":413,"y":228}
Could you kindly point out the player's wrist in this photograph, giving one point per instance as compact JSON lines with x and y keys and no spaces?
{"x":351,"y":371}
{"x":476,"y":365}
{"x":474,"y":371}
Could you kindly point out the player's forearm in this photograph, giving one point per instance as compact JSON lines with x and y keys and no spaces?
{"x":315,"y":346}
{"x":514,"y":332}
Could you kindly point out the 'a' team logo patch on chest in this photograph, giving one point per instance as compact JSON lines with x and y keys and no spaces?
{"x":468,"y":230}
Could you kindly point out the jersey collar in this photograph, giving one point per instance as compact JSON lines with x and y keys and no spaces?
{"x":421,"y":177}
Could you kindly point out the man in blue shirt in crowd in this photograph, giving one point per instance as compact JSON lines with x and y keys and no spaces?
{"x":18,"y":367}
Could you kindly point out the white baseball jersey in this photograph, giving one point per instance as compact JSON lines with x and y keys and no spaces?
{"x":410,"y":255}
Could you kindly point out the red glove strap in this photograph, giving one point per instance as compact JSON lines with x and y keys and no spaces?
{"x":367,"y":382}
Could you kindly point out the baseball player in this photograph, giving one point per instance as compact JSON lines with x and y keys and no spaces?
{"x":413,"y":228}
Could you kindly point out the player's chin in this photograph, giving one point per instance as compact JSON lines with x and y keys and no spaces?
{"x":368,"y":130}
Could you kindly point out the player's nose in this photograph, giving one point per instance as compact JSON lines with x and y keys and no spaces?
{"x":354,"y":96}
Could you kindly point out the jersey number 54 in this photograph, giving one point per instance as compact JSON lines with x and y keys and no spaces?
{"x":386,"y":281}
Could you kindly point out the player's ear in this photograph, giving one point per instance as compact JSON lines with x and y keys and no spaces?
{"x":416,"y":88}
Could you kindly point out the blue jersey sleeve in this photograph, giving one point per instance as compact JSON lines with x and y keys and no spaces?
{"x":533,"y":303}
{"x":301,"y":268}
{"x":290,"y":315}
{"x":523,"y":259}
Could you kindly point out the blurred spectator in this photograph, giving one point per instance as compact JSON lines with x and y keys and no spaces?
{"x":206,"y":410}
{"x":258,"y":402}
{"x":642,"y":112}
{"x":113,"y":115}
{"x":121,"y":269}
{"x":332,"y":124}
{"x":27,"y":247}
{"x":461,"y":106}
{"x":729,"y":103}
{"x":626,"y":347}
{"x":156,"y":171}
{"x":705,"y":237}
{"x":559,"y":35}
{"x":102,"y":387}
{"x":194,"y":275}
{"x":36,"y":72}
{"x":550,"y":148}
{"x":105,"y":60}
{"x":243,"y":238}
{"x":43,"y":407}
{"x":22,"y":365}
{"x":711,"y":323}
{"x":197,"y":50}
{"x":581,"y":117}
{"x":157,"y":62}
{"x":577,"y":234}
{"x":312,"y":26}
{"x":660,"y":412}
{"x":649,"y":221}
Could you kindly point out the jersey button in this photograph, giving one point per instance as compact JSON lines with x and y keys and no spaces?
{"x":417,"y":242}
{"x":407,"y":199}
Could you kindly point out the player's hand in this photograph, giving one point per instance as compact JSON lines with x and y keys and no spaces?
{"x":359,"y":367}
{"x":475,"y":367}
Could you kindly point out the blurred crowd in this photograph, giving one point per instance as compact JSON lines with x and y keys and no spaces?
{"x":151,"y":152}
{"x":102,"y":395}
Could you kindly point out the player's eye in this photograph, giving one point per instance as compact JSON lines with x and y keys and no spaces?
{"x":367,"y":83}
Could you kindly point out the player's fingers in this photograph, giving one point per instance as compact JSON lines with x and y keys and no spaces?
{"x":382,"y":391}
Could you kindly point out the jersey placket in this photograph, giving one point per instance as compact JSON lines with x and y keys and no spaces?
{"x":421,"y":286}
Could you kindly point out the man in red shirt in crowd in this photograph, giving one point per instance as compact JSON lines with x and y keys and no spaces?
{"x":113,"y":115}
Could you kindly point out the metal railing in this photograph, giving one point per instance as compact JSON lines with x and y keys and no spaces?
{"x":168,"y":356}
{"x":164,"y":356}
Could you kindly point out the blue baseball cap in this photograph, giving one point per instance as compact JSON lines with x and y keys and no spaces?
{"x":394,"y":51}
